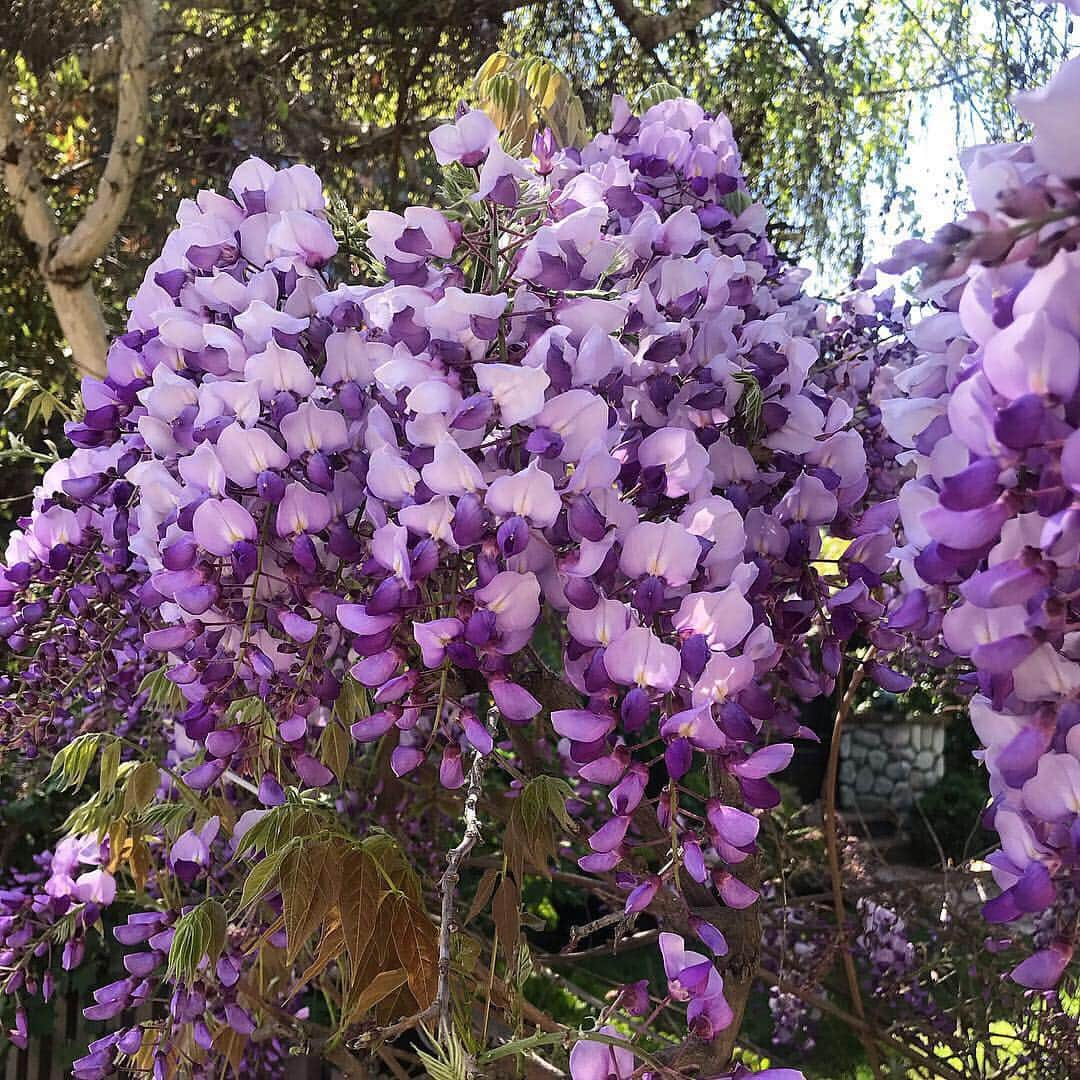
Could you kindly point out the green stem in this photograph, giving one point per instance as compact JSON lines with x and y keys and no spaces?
{"x":548,"y":1038}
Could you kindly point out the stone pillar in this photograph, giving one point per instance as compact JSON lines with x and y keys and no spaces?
{"x":889,"y":761}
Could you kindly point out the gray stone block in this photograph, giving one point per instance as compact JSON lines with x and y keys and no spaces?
{"x":925,"y":760}
{"x":883,"y":786}
{"x":847,"y":772}
{"x":864,"y":781}
{"x":897,"y":735}
{"x":877,"y":759}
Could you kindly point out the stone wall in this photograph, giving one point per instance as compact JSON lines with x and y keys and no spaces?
{"x":889,"y":763}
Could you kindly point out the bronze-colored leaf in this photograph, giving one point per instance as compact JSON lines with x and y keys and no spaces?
{"x":310,"y":877}
{"x":139,"y":861}
{"x":399,"y":1003}
{"x":416,"y":942}
{"x":393,"y":864}
{"x":362,"y":888}
{"x":231,"y":1046}
{"x":330,"y":948}
{"x":381,"y":986}
{"x":506,"y":911}
{"x":118,"y":838}
{"x":483,"y":894}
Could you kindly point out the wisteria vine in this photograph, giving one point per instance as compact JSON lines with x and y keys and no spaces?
{"x":520,"y":543}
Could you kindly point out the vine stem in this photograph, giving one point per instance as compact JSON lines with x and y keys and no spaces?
{"x":915,"y":1054}
{"x":530,"y":1042}
{"x":832,"y":847}
{"x":448,"y":887}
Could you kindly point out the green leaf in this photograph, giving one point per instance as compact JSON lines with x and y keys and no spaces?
{"x":142,"y":782}
{"x":737,"y":202}
{"x":261,"y":879}
{"x":334,"y":747}
{"x":161,"y":691}
{"x":656,"y":93}
{"x":110,"y":763}
{"x":449,"y":1059}
{"x":198,"y":934}
{"x":166,"y":819}
{"x":73,"y":762}
{"x":750,"y":404}
{"x":352,"y":703}
{"x":282,"y":824}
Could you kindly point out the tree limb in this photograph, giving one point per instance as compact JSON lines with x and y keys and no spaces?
{"x":651,"y":30}
{"x":64,"y":261}
{"x":91,"y":235}
{"x":448,"y":886}
{"x":22,"y":180}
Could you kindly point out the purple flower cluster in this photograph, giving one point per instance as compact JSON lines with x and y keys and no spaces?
{"x":988,"y":414}
{"x":51,"y":910}
{"x":583,"y":401}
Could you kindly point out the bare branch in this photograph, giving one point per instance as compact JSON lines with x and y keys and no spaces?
{"x":652,"y":30}
{"x":448,"y":885}
{"x":23,"y":181}
{"x":91,"y":235}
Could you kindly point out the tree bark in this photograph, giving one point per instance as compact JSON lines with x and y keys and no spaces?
{"x":78,"y":311}
{"x":654,"y":28}
{"x":65,"y":261}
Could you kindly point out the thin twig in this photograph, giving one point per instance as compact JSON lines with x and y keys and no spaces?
{"x":833,"y":850}
{"x":448,"y":885}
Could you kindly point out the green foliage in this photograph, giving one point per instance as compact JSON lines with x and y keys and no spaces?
{"x":525,"y":95}
{"x":198,"y":938}
{"x":530,"y":834}
{"x":162,"y":693}
{"x":72,"y":762}
{"x":751,"y":402}
{"x":42,"y":404}
{"x":165,"y":819}
{"x":948,"y":815}
{"x":653,"y":95}
{"x":448,"y":1060}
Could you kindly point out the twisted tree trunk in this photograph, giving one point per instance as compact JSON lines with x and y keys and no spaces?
{"x":65,"y":260}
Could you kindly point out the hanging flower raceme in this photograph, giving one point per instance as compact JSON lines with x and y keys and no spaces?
{"x":576,"y":420}
{"x":987,"y":413}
